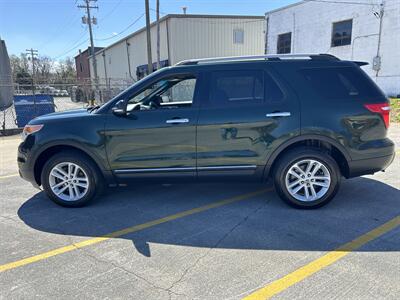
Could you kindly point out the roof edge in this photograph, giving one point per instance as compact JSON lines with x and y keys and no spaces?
{"x":285,"y":7}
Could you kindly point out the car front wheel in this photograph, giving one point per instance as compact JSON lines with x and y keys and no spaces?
{"x":70,"y":179}
{"x":307,"y":178}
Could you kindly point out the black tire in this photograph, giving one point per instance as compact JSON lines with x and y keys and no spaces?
{"x":297,"y":155}
{"x":95,"y":180}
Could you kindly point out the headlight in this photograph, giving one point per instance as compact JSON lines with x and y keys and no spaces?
{"x":29,"y":129}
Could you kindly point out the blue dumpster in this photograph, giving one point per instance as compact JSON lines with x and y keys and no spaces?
{"x":28,"y":107}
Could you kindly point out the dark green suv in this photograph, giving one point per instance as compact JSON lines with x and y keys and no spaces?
{"x":302,"y":120}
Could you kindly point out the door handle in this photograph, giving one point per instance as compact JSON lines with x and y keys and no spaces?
{"x":279,"y":114}
{"x":177,"y":121}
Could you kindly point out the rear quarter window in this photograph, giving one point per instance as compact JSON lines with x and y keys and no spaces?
{"x":341,"y":83}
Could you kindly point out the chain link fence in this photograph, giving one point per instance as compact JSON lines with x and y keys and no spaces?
{"x":66,"y":94}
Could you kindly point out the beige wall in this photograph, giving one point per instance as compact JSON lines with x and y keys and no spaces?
{"x":213,"y":37}
{"x":189,"y":38}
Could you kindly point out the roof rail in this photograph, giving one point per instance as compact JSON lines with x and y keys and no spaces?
{"x":271,"y":57}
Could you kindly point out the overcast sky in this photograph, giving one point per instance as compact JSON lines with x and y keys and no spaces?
{"x":54,"y":26}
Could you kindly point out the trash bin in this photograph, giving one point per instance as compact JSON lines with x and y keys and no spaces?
{"x":28,"y":107}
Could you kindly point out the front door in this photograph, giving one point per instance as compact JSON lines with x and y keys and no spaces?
{"x":157,"y":137}
{"x":248,"y":113}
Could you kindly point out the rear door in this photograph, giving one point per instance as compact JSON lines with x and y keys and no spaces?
{"x":249,"y":111}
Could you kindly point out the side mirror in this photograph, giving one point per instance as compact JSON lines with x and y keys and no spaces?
{"x":120,"y":108}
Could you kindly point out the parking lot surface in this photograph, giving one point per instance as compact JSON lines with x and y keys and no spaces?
{"x":200,"y":241}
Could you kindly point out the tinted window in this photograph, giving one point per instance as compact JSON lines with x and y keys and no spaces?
{"x":284,"y":43}
{"x":341,"y":83}
{"x":236,"y":87}
{"x":341,"y":33}
{"x":273,"y":92}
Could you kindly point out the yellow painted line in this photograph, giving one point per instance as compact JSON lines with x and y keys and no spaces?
{"x":4,"y":138}
{"x":306,"y":271}
{"x":119,"y":233}
{"x":9,"y":176}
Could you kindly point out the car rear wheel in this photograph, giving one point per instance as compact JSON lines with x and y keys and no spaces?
{"x":70,"y":179}
{"x":307,"y":178}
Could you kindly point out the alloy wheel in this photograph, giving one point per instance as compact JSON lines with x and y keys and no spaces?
{"x":68,"y":181}
{"x":308,"y":180}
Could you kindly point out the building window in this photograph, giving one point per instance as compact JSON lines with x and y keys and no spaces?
{"x":81,"y":67}
{"x":284,"y":43}
{"x":341,"y":33}
{"x":238,"y":36}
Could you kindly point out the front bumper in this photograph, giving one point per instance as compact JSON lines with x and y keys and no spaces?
{"x":25,"y":161}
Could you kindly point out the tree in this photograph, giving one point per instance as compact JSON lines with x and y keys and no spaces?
{"x":20,"y":69}
{"x":66,"y":70}
{"x":47,"y":70}
{"x":44,"y":68}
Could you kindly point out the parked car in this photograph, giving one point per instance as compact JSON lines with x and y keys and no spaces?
{"x":304,"y":121}
{"x":63,"y":93}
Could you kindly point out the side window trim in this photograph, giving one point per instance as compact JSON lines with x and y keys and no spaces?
{"x":278,"y":81}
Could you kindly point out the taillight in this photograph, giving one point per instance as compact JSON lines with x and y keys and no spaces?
{"x":381,"y":108}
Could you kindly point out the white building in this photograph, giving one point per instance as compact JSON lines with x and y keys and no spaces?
{"x":352,"y":30}
{"x":181,"y":37}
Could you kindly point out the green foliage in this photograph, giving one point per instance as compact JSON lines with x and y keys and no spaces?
{"x":46,"y":70}
{"x":395,"y":109}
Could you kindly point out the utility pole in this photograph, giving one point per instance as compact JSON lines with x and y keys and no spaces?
{"x":33,"y":53}
{"x":158,"y":33}
{"x":33,"y":56}
{"x":149,"y":58}
{"x":377,"y":59}
{"x":89,"y":21}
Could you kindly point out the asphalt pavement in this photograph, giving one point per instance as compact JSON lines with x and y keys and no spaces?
{"x":200,"y":241}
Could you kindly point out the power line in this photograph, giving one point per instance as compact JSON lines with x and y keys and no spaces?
{"x":161,"y":12}
{"x":112,"y":10}
{"x":121,"y":32}
{"x":60,"y":29}
{"x":71,"y":49}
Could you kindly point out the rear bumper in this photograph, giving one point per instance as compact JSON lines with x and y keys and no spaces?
{"x":370,"y":165}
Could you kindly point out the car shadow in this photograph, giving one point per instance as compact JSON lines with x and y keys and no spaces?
{"x":261,"y":222}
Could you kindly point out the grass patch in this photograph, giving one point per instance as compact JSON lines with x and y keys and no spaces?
{"x":395,"y":110}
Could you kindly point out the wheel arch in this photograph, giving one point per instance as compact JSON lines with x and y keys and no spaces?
{"x":334,"y":148}
{"x":52,"y":149}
